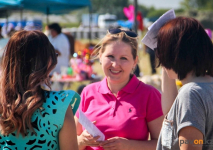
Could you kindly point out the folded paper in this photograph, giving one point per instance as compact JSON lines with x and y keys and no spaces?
{"x":90,"y":127}
{"x":150,"y":39}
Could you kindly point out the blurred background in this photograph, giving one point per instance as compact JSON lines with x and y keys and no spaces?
{"x":87,"y":21}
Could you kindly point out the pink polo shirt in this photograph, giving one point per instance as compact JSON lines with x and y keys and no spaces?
{"x":125,"y":115}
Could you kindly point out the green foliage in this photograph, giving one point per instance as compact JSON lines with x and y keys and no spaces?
{"x":152,"y":12}
{"x":116,"y":7}
{"x":180,"y":10}
{"x":4,"y":13}
{"x":110,"y":6}
{"x":205,"y":4}
{"x":197,"y":4}
{"x":202,"y":10}
{"x":70,"y":25}
{"x":156,"y":13}
{"x":188,"y":4}
{"x":143,"y":9}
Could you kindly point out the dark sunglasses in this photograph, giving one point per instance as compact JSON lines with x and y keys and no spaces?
{"x":128,"y":33}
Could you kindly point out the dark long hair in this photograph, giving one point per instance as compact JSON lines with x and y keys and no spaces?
{"x":27,"y":61}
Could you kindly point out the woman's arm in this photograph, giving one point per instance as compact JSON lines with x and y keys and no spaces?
{"x":67,"y":135}
{"x":79,"y":131}
{"x":119,"y":143}
{"x":187,"y":137}
{"x":169,"y":92}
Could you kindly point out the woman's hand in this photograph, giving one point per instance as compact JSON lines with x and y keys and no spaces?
{"x":115,"y":143}
{"x":85,"y":139}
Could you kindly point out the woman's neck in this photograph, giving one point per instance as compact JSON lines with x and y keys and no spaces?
{"x":201,"y":79}
{"x":116,"y":87}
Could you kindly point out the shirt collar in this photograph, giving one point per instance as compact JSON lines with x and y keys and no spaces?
{"x":129,"y":88}
{"x":103,"y":87}
{"x":131,"y":85}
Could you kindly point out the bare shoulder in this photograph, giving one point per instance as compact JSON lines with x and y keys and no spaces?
{"x":67,"y":135}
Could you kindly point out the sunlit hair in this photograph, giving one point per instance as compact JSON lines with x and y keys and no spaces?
{"x":109,"y":38}
{"x":27,"y":61}
{"x":184,"y":46}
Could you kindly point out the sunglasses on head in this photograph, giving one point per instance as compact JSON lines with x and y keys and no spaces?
{"x":128,"y":33}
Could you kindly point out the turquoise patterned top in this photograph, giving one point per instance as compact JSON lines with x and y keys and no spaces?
{"x":46,"y":122}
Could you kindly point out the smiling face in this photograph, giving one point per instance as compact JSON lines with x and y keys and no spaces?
{"x":117,"y":62}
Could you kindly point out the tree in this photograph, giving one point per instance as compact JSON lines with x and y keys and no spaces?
{"x":156,"y":13}
{"x":143,"y":9}
{"x":110,"y":6}
{"x":197,"y":4}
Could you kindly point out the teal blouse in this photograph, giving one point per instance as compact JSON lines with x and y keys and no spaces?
{"x":46,"y":121}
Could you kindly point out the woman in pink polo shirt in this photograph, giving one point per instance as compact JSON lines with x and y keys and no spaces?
{"x":125,"y":109}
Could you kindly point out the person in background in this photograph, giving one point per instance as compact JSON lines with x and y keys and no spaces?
{"x":47,"y":31}
{"x":125,"y":109}
{"x":137,"y":71}
{"x":4,"y":30}
{"x":151,"y":58}
{"x":4,"y":41}
{"x":30,"y":26}
{"x":185,"y":52}
{"x":18,"y":26}
{"x":0,"y":32}
{"x":61,"y":45}
{"x":30,"y":117}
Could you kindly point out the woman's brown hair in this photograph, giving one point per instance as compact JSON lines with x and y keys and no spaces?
{"x":27,"y":61}
{"x":184,"y":46}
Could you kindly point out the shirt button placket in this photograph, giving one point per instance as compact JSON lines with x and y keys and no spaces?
{"x":113,"y":107}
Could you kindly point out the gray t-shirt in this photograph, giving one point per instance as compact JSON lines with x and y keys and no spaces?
{"x":192,"y":107}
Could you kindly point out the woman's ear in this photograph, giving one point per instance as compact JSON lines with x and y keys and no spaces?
{"x":136,"y":61}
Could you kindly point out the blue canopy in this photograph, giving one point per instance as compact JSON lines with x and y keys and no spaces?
{"x":46,"y":6}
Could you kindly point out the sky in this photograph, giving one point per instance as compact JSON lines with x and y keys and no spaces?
{"x":161,"y":3}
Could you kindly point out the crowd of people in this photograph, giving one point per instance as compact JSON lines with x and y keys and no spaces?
{"x":132,"y":115}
